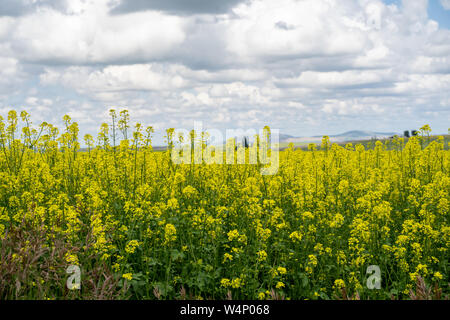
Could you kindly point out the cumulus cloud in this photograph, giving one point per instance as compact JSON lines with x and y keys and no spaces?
{"x":296,"y":65}
{"x":92,"y":36}
{"x":445,"y":4}
{"x":313,"y":79}
{"x":310,"y":28}
{"x":116,"y":78}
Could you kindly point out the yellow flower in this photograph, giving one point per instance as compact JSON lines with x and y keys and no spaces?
{"x":131,"y":246}
{"x":189,"y":191}
{"x":105,"y":256}
{"x":280,"y":285}
{"x":339,"y":284}
{"x":236,"y":250}
{"x":438,"y":275}
{"x":170,"y":233}
{"x":312,"y":260}
{"x":343,"y":187}
{"x":116,"y":267}
{"x":71,"y":258}
{"x":295,"y":236}
{"x":233,"y":234}
{"x":236,"y":283}
{"x":282,"y":270}
{"x":227,"y":256}
{"x":172,"y":204}
{"x":422,"y":268}
{"x":273,"y":272}
{"x":225,"y":282}
{"x":128,"y":276}
{"x":307,"y":215}
{"x":262,"y":255}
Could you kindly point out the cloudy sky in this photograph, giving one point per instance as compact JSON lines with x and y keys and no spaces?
{"x":307,"y":67}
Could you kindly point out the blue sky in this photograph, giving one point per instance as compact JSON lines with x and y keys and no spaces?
{"x":307,"y":67}
{"x":436,"y":11}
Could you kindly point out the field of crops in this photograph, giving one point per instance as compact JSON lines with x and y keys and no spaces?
{"x":141,"y":227}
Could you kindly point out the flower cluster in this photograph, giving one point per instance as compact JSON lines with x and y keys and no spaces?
{"x":210,"y":230}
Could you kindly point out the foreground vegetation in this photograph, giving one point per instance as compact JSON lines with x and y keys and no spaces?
{"x":141,"y":227}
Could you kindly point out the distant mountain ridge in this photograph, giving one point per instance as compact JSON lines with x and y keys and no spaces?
{"x":367,"y":133}
{"x":361,"y":133}
{"x":342,"y":137}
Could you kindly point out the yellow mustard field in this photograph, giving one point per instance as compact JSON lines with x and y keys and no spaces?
{"x":139,"y":226}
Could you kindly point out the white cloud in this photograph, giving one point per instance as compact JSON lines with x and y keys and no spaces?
{"x":318,"y":28}
{"x":351,"y":107}
{"x":313,"y":79}
{"x":115,"y":78}
{"x":8,"y":67}
{"x":290,"y":64}
{"x":90,"y":35}
{"x":11,"y":75}
{"x":445,"y":4}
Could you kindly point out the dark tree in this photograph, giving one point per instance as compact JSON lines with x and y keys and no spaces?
{"x":245,"y":142}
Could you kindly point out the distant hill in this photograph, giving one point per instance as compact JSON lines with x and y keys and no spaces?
{"x":359,"y":133}
{"x":284,"y":137}
{"x":343,"y":137}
